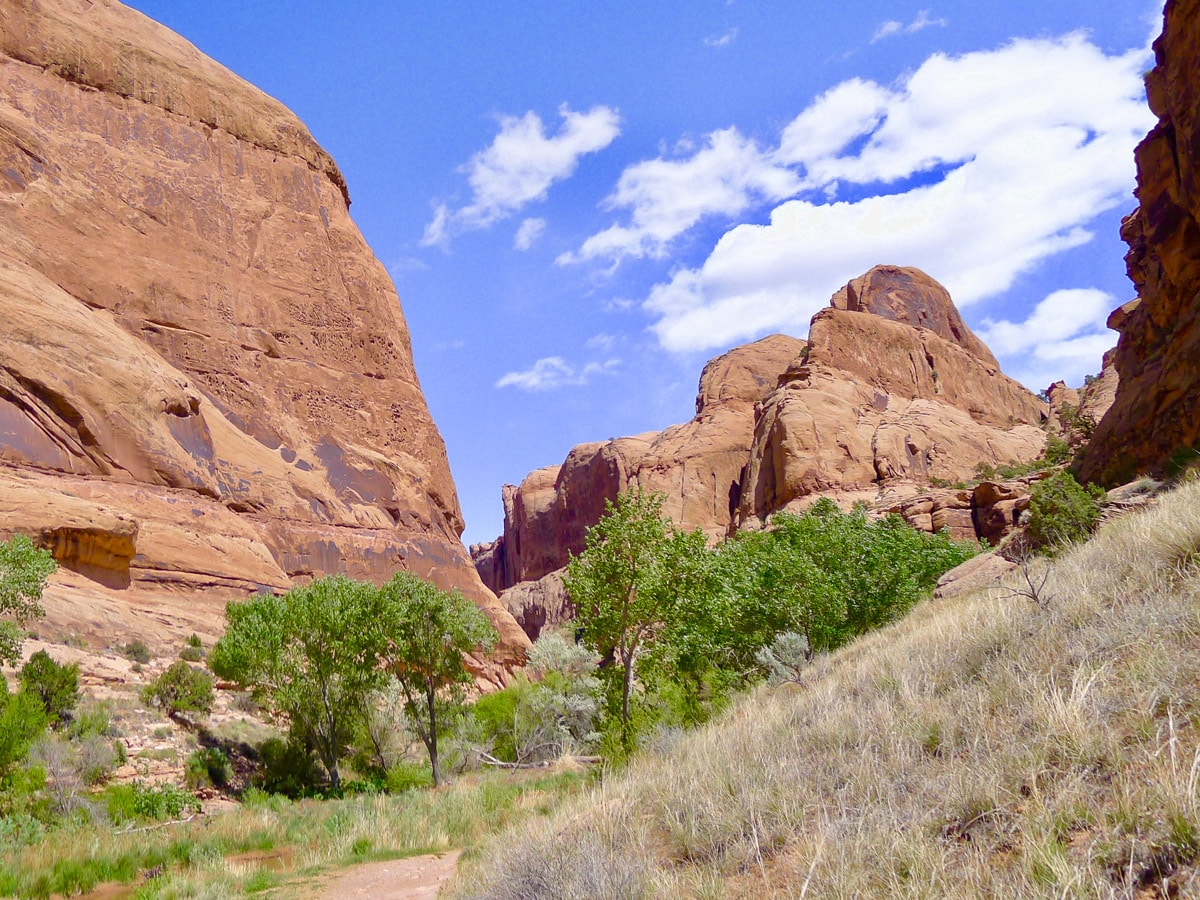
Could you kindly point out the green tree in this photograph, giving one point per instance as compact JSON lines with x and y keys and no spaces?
{"x":181,"y":688}
{"x":627,"y":585}
{"x":23,"y":573}
{"x":56,"y":686}
{"x":311,"y":656}
{"x":424,"y":633}
{"x":22,"y":720}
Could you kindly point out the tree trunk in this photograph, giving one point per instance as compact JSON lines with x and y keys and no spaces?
{"x":626,"y":717}
{"x":432,"y":746}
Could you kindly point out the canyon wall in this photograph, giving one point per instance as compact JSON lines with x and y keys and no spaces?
{"x":206,"y":380}
{"x":890,"y":394}
{"x":1157,"y":407}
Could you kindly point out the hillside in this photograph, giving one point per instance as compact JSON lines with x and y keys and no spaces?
{"x":983,"y":746}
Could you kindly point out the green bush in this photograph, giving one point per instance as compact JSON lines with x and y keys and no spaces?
{"x":1062,"y":512}
{"x":56,"y":686}
{"x":95,"y":718}
{"x":405,"y":775}
{"x":140,"y":801}
{"x":182,"y":688}
{"x":495,"y":714}
{"x":207,"y":767}
{"x":22,"y":721}
{"x":137,"y":651}
{"x":193,"y":650}
{"x":286,"y":767}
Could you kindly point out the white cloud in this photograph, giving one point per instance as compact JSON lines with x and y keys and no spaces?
{"x":602,"y":341}
{"x":1064,"y":338}
{"x":553,"y":372}
{"x":529,"y":231}
{"x":668,"y":196}
{"x":520,"y":165}
{"x":721,"y":40}
{"x":975,"y":169}
{"x":893,"y":28}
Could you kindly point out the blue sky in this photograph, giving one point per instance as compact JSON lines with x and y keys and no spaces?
{"x":581,"y":203}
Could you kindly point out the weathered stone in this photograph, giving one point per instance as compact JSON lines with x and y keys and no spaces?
{"x":697,"y":465}
{"x":978,"y":572}
{"x":196,"y":335}
{"x":1157,"y":406}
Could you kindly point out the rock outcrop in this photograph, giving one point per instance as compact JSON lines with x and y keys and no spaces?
{"x":697,"y":465}
{"x":879,"y":399}
{"x":890,"y":394}
{"x":1157,"y":405}
{"x":206,"y":381}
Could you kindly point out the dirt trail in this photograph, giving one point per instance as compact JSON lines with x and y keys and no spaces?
{"x":414,"y":878}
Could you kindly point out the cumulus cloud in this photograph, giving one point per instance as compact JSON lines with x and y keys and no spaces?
{"x":520,"y":165}
{"x":553,"y":372}
{"x":666,"y":197}
{"x":893,"y":28}
{"x":1064,"y":338}
{"x":721,"y":40}
{"x":528,"y":233}
{"x":974,"y":168}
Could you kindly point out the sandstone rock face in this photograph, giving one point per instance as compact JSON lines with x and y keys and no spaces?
{"x":206,"y":381}
{"x":539,"y":604}
{"x":911,"y":297}
{"x":875,"y":401}
{"x":891,"y":393}
{"x":1157,"y":405}
{"x":697,"y":465}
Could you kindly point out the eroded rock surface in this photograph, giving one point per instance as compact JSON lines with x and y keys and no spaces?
{"x":890,"y":395}
{"x":198,"y":341}
{"x":876,"y":401}
{"x":697,"y":465}
{"x":1157,"y":405}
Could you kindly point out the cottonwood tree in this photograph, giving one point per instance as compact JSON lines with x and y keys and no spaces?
{"x":627,"y":585}
{"x":23,"y":573}
{"x":425,"y":632}
{"x":310,"y":655}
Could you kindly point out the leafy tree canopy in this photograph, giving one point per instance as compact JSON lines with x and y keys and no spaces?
{"x":23,"y":573}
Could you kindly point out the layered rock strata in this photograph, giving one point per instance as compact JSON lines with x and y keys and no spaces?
{"x":1157,"y":407}
{"x":206,"y":380}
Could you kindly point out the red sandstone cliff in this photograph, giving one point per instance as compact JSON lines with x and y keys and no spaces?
{"x":206,"y":381}
{"x":1157,"y":405}
{"x":890,"y":392}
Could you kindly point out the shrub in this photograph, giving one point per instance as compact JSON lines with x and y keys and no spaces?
{"x":1062,"y":512}
{"x":193,"y":650}
{"x":182,"y":688}
{"x":127,"y":802}
{"x":286,"y":767}
{"x":93,"y":719}
{"x":22,"y":720}
{"x":56,"y":686}
{"x":405,"y":775}
{"x":785,"y":658}
{"x":137,"y":652}
{"x":207,"y":767}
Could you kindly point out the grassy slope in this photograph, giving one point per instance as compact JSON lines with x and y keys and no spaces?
{"x":983,"y":746}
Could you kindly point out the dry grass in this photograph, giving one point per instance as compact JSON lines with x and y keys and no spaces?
{"x":982,"y":747}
